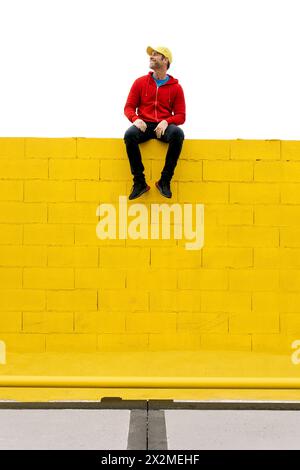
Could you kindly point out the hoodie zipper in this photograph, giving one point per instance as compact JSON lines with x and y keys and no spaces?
{"x":156,"y":102}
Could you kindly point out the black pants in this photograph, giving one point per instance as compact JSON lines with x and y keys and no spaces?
{"x":173,"y":135}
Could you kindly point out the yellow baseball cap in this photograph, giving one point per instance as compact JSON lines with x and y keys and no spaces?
{"x":162,"y":50}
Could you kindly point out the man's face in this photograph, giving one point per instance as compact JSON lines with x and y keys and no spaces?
{"x":157,"y":60}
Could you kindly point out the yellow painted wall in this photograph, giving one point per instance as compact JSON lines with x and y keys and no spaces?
{"x":63,"y":289}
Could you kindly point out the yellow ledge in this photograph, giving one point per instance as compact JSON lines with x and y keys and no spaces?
{"x":200,"y":375}
{"x":150,"y":382}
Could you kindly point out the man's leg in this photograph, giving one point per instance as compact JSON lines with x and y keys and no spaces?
{"x":132,"y":138}
{"x":174,"y":136}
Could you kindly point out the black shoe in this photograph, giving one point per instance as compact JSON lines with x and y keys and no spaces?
{"x":138,"y":189}
{"x":164,"y":188}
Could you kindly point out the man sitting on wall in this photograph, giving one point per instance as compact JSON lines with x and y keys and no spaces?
{"x":156,"y":106}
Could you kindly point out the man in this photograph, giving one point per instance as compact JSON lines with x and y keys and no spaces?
{"x":156,"y":106}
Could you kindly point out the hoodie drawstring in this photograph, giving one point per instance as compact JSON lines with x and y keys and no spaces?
{"x":147,"y":85}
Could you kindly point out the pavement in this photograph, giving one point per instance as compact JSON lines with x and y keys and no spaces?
{"x":146,"y":428}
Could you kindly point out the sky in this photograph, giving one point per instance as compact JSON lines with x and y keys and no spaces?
{"x":67,"y":65}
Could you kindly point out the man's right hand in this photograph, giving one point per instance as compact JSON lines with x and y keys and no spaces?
{"x":140,"y":124}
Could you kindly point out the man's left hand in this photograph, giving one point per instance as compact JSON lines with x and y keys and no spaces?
{"x":160,"y":128}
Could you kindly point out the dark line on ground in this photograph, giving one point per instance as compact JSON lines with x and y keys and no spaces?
{"x":119,"y":404}
{"x":137,"y":433}
{"x":157,"y":432}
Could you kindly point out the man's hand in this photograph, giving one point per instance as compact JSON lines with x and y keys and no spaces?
{"x":140,"y":124}
{"x":160,"y":128}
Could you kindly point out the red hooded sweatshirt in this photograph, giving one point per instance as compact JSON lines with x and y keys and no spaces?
{"x":151,"y":103}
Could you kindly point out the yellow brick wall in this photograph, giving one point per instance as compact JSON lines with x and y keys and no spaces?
{"x":63,"y":289}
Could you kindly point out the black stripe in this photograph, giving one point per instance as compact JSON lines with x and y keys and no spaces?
{"x":157,"y":433}
{"x":119,"y":404}
{"x":137,"y":434}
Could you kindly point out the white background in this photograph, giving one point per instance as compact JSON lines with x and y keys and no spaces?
{"x":67,"y":65}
